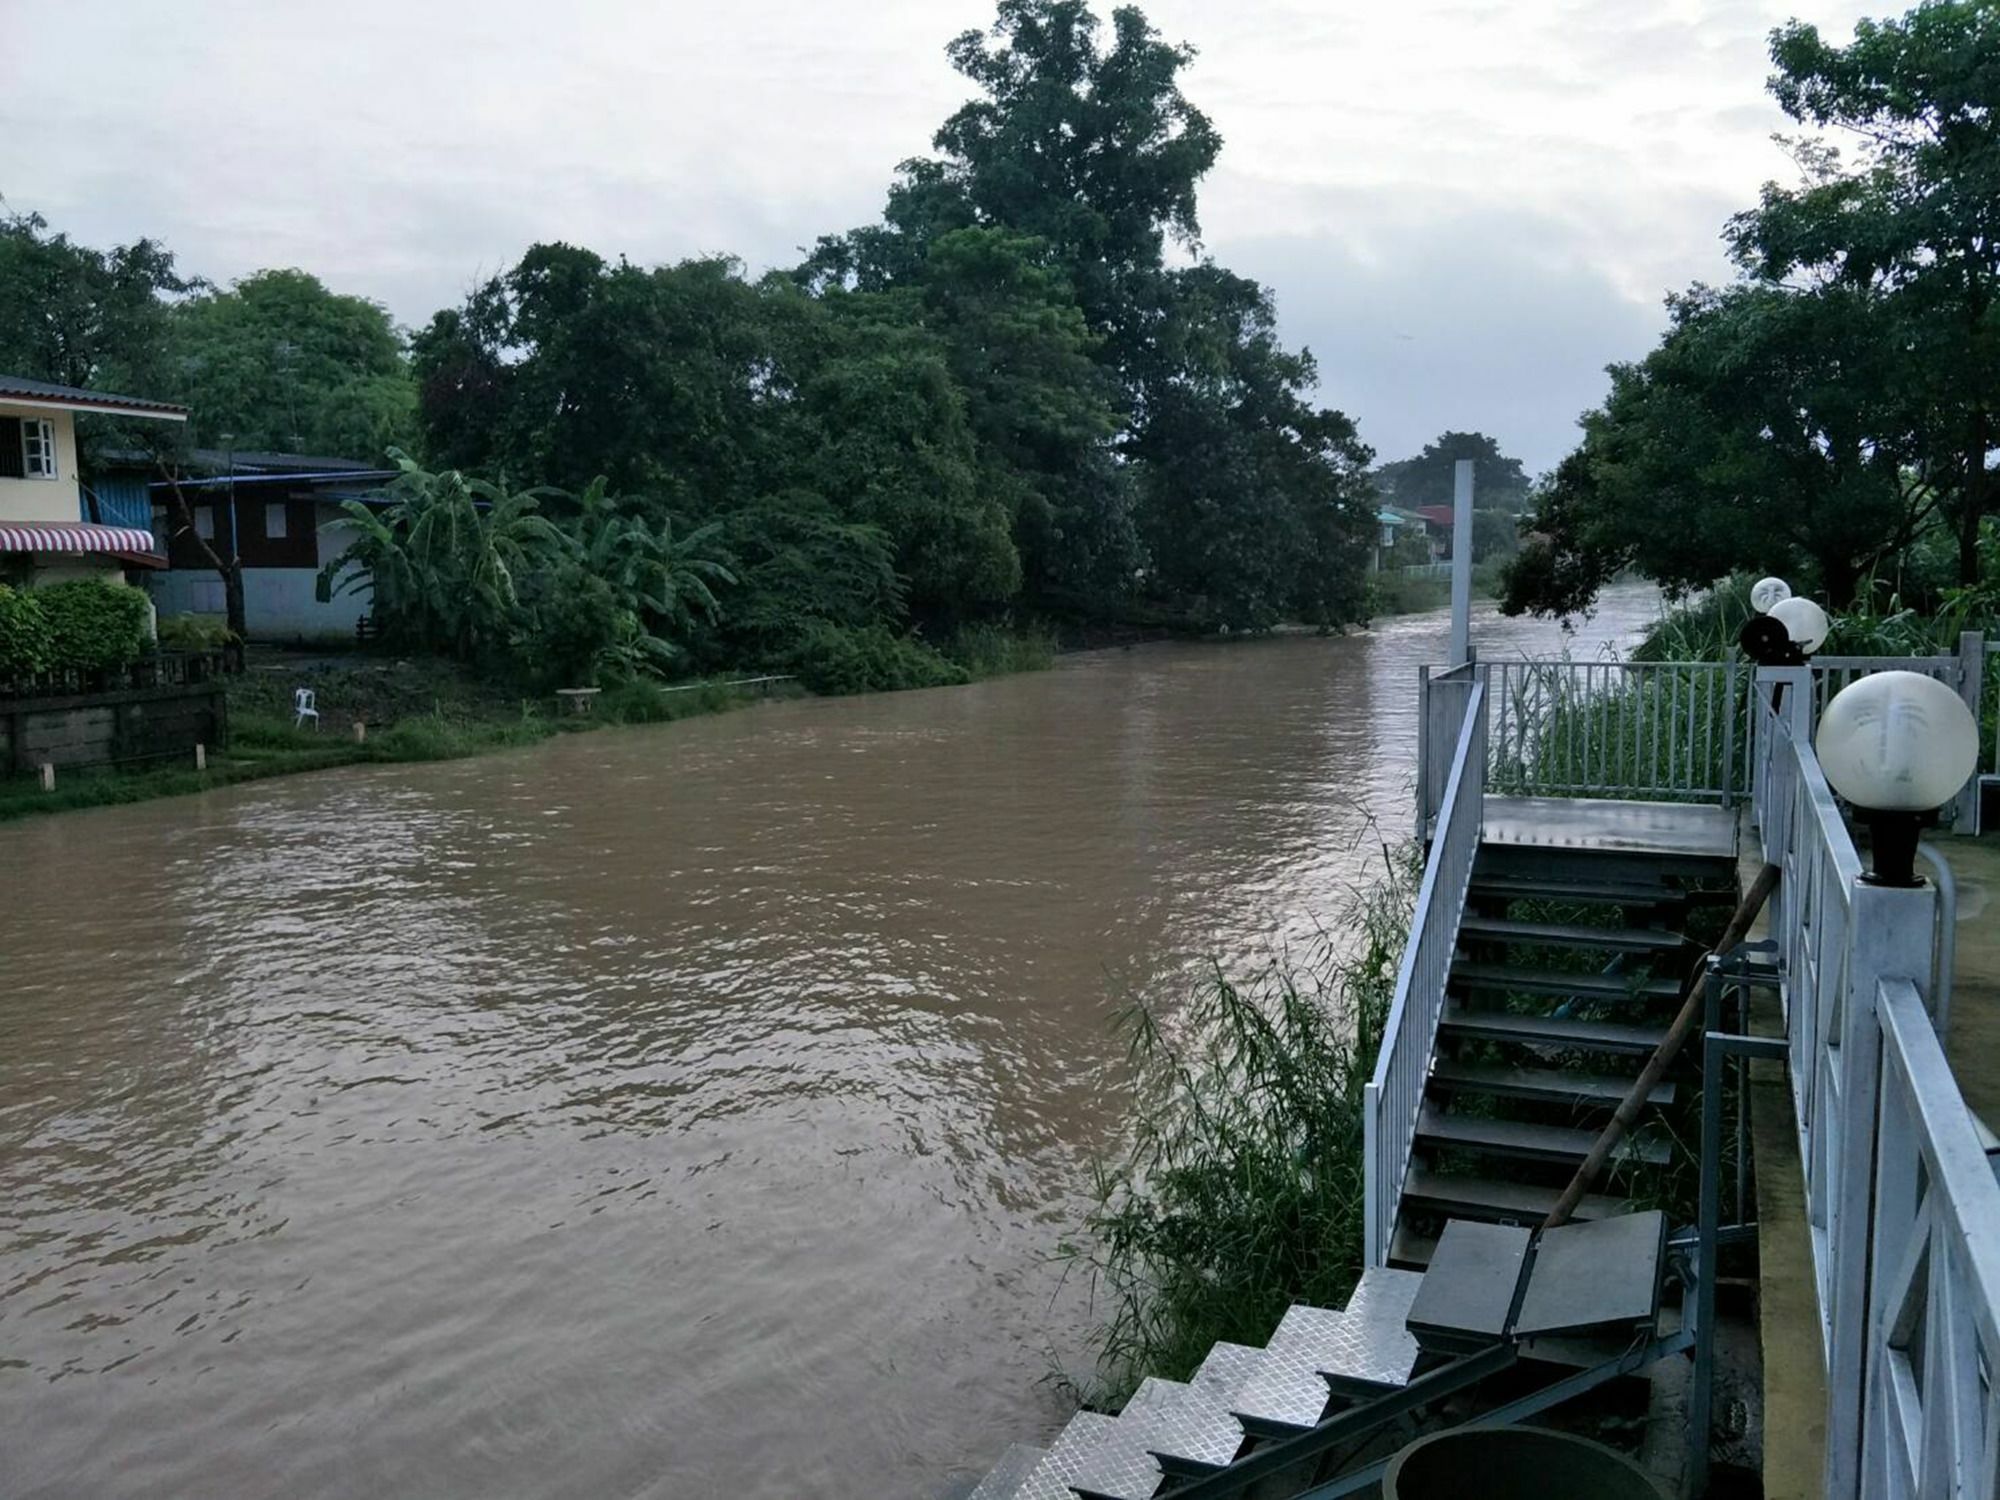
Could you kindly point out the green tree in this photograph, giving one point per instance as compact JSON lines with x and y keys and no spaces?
{"x":1043,"y":412}
{"x":1257,"y":506}
{"x":98,"y":319}
{"x":281,"y":363}
{"x":446,"y":560}
{"x":1430,"y":478}
{"x":666,"y":581}
{"x":1771,"y":431}
{"x":1917,"y":217}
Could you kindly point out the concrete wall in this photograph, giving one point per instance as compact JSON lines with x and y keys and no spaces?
{"x":55,"y":499}
{"x":129,"y":724}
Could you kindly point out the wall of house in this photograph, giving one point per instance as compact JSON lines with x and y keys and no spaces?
{"x":44,"y":499}
{"x":279,"y":602}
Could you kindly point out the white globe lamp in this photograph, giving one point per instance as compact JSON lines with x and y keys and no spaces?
{"x":1766,"y":592}
{"x":1804,"y":621}
{"x":1898,"y":745}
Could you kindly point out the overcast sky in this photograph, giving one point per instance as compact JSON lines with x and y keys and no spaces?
{"x":1466,"y":210}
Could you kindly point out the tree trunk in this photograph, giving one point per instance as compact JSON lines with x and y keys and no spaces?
{"x":232,"y":595}
{"x":1973,"y":502}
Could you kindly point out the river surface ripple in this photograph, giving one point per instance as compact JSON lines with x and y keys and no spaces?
{"x":681,"y":1111}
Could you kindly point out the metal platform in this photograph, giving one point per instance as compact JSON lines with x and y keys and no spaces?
{"x":1611,"y":825}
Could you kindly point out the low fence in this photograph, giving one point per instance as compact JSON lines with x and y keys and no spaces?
{"x":158,"y":670}
{"x":1394,"y":1096}
{"x":108,"y":728}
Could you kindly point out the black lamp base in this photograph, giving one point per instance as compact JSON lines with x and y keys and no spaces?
{"x":1892,"y":838}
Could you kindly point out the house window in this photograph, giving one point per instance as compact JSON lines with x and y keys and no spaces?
{"x":38,"y":448}
{"x":204,"y":522}
{"x":274,"y":519}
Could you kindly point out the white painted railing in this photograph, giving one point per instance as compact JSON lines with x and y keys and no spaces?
{"x":1879,"y":1118}
{"x":1394,"y":1097}
{"x":1932,"y":1415}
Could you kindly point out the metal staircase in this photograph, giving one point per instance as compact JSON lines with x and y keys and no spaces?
{"x":1305,"y":1414}
{"x":1566,"y":972}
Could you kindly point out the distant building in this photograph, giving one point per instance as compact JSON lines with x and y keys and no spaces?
{"x":47,"y":531}
{"x":281,"y":513}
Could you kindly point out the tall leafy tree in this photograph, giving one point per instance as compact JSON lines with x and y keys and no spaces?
{"x":1771,"y":431}
{"x":74,"y":315}
{"x":1257,"y":504}
{"x":281,"y":363}
{"x":1430,"y":477}
{"x":1043,"y":412}
{"x":1917,"y":215}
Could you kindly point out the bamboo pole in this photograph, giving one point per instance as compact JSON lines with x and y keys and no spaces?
{"x":1663,"y":1056}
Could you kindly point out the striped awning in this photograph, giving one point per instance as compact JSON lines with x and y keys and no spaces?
{"x":73,"y":536}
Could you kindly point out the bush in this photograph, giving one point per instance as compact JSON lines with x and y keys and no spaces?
{"x":26,"y":644}
{"x":573,"y":620}
{"x":96,"y":626}
{"x":830,"y":659}
{"x":994,"y":650}
{"x":196,"y":633}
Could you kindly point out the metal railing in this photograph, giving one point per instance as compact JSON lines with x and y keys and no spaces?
{"x":1659,"y":731}
{"x":1875,"y":1103}
{"x":1394,"y":1096}
{"x":1932,"y":1413}
{"x":1442,"y":697}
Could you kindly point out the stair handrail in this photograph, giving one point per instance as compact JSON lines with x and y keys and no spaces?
{"x":1393,"y":1097}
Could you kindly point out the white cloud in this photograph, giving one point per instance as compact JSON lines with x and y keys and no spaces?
{"x":1513,"y":185}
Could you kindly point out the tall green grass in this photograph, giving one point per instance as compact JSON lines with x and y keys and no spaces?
{"x":996,"y":651}
{"x":1241,"y":1191}
{"x":1665,"y":731}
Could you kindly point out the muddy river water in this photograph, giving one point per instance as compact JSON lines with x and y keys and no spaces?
{"x":680,"y":1111}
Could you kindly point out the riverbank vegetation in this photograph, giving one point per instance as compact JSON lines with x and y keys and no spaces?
{"x":413,"y":710}
{"x":1241,"y":1191}
{"x":1830,"y":416}
{"x":1025,"y":399}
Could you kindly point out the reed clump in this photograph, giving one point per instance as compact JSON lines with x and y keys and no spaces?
{"x":1241,"y":1191}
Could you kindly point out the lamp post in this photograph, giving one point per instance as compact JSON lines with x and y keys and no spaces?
{"x":1898,"y":746}
{"x":1783,"y":632}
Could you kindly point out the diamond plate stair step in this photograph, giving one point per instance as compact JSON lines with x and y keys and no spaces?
{"x":1372,"y":1351}
{"x":1188,"y":1450}
{"x":1570,"y":935}
{"x":1049,"y":1479}
{"x":1495,"y":1200}
{"x":1317,"y":1353}
{"x":1542,"y":1085}
{"x":1461,"y":1020}
{"x":1466,"y":975}
{"x":1288,"y":1394}
{"x":1122,"y":1466}
{"x":1004,"y":1480}
{"x":1526,"y":1141}
{"x":1583,"y":892}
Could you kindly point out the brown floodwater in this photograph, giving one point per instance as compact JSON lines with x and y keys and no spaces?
{"x":681,"y":1111}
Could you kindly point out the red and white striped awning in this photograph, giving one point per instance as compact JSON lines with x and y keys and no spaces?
{"x":73,"y":536}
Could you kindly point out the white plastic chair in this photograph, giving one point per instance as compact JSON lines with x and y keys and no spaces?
{"x":304,"y":707}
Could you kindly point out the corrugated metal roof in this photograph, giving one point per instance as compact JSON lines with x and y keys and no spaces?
{"x":19,"y":387}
